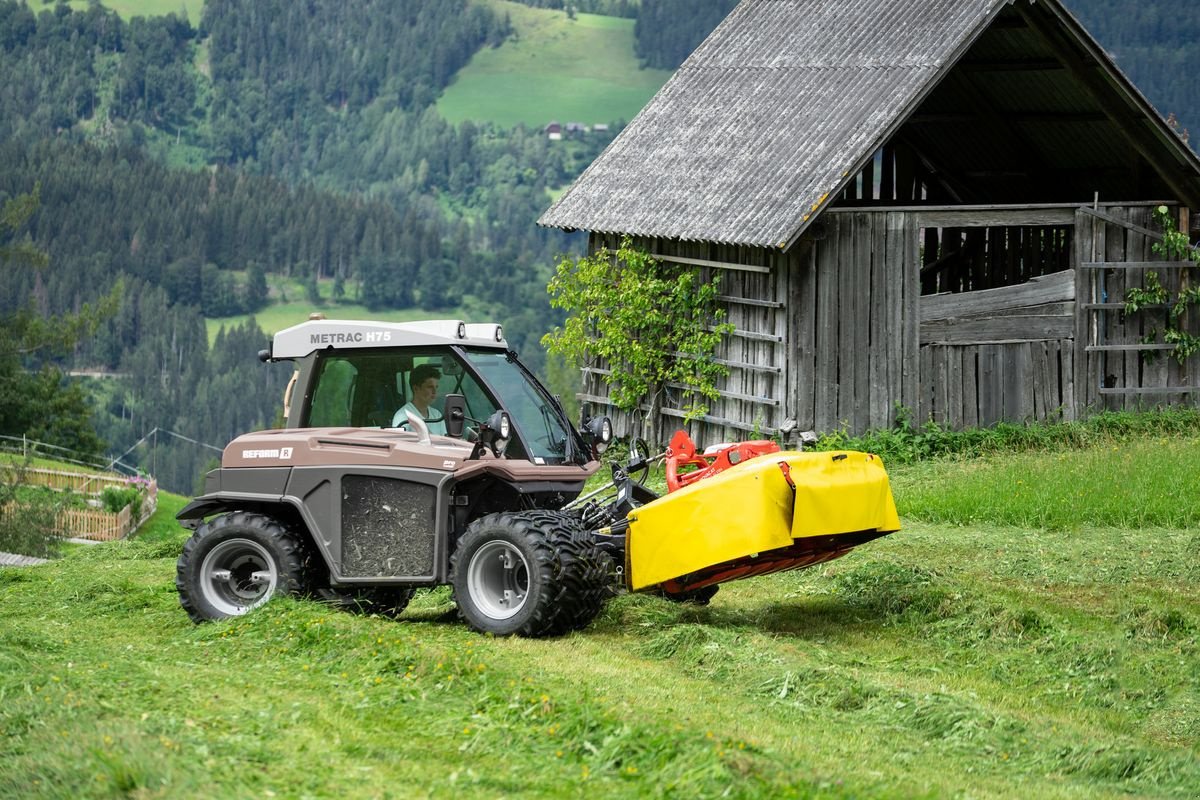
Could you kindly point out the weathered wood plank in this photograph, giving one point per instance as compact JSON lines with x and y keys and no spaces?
{"x":995,"y":217}
{"x":1126,"y":265}
{"x":825,"y":374}
{"x":954,"y":388}
{"x":1114,"y":287}
{"x":860,"y":310}
{"x":1115,"y":220}
{"x":894,"y":279}
{"x":877,"y":351}
{"x":925,"y":404}
{"x":1084,"y":291}
{"x":1138,"y":390}
{"x":980,"y":330}
{"x":1121,"y":348}
{"x":910,"y":314}
{"x":1068,"y":355}
{"x":704,"y":262}
{"x":847,"y":321}
{"x":802,"y":314}
{"x":970,"y":390}
{"x":989,"y":385}
{"x":750,"y":301}
{"x":1054,"y":288}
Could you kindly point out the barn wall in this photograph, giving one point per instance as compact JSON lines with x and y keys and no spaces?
{"x":753,"y":398}
{"x":835,"y":334}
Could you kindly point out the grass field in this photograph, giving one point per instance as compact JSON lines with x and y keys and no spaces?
{"x":148,"y":8}
{"x":553,"y":68}
{"x":290,"y":307}
{"x":948,"y":660}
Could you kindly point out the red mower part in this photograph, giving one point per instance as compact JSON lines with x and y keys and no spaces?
{"x":681,"y":453}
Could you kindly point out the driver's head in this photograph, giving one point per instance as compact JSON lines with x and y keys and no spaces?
{"x":423,"y":381}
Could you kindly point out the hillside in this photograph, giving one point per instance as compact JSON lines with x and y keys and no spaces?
{"x":553,"y":68}
{"x":964,"y":659}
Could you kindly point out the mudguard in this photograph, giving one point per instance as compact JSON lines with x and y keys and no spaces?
{"x":789,"y":509}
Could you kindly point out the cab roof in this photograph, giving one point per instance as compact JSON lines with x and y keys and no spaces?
{"x":328,"y":334}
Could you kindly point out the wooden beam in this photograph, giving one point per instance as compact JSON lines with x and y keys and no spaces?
{"x":1153,"y":390}
{"x":704,"y":262}
{"x":1053,"y":288}
{"x":1138,"y":264}
{"x":995,"y":216}
{"x":983,"y":330}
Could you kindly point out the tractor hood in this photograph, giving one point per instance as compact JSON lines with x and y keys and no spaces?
{"x":373,"y":447}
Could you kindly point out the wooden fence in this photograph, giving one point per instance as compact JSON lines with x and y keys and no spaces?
{"x":93,"y":524}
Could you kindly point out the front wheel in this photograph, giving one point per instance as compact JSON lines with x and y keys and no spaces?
{"x":526,"y":573}
{"x":236,"y":562}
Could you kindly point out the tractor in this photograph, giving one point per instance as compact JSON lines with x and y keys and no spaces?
{"x":362,"y":498}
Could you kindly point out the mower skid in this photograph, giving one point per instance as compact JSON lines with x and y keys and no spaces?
{"x":776,"y":512}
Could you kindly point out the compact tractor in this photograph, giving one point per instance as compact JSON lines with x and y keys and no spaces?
{"x":362,"y":499}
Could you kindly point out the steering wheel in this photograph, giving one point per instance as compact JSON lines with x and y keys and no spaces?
{"x":439,"y":417}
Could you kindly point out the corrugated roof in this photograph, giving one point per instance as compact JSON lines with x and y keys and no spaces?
{"x":765,"y":119}
{"x":786,"y":99}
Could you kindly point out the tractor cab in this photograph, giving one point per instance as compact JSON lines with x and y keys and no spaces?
{"x":362,"y":374}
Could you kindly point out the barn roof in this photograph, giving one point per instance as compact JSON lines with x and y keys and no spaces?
{"x":787,"y":99}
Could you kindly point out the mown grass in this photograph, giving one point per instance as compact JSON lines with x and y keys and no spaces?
{"x":553,"y":68}
{"x":979,"y":660}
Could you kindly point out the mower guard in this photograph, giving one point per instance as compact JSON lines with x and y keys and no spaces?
{"x":772,"y":513}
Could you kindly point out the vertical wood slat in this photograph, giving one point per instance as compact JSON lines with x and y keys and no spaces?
{"x":801,"y":367}
{"x":825,"y":374}
{"x":1084,"y":291}
{"x":896,"y":270}
{"x":846,"y":323}
{"x":954,"y":388}
{"x":969,"y":358}
{"x":925,"y":403}
{"x":1114,"y":287}
{"x":910,"y":311}
{"x":861,"y":307}
{"x":877,"y":351}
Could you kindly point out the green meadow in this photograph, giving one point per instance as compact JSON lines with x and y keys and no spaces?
{"x":553,"y":68}
{"x":985,"y":651}
{"x":148,"y":8}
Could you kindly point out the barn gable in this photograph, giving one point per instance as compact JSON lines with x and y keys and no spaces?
{"x":788,"y":102}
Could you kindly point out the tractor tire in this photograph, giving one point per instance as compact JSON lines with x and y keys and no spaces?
{"x":584,"y":575}
{"x":386,"y":601}
{"x":526,"y":573}
{"x":236,"y":562}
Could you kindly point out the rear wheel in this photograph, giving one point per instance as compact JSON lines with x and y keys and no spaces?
{"x":236,"y":562}
{"x":530,"y":573}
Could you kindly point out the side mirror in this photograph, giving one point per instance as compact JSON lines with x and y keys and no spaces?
{"x":455,"y":413}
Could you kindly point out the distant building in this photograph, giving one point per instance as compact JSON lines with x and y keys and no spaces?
{"x":600,"y":127}
{"x":576,"y":129}
{"x":554,"y":131}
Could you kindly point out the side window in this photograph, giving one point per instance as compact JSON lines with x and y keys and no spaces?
{"x":335,"y":390}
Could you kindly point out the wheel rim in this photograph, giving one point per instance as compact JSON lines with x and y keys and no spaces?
{"x":238,"y":575}
{"x":498,"y":579}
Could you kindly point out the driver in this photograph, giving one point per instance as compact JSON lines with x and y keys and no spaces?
{"x":423,"y":381}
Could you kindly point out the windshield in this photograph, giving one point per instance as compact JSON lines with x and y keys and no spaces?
{"x":533,"y":412}
{"x":374,"y":388}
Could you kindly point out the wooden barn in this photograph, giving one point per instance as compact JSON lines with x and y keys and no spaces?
{"x":929,"y":204}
